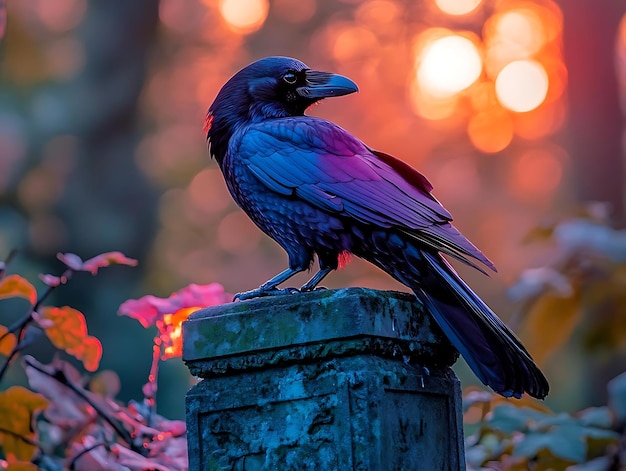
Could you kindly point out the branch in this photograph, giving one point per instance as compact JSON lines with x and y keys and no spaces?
{"x":27,"y":318}
{"x":72,"y":462}
{"x":21,"y":437}
{"x":60,"y":376}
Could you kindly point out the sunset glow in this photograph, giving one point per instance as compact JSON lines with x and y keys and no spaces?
{"x":448,"y":66}
{"x":522,"y":85}
{"x":457,"y":7}
{"x":244,"y":16}
{"x":491,"y":130}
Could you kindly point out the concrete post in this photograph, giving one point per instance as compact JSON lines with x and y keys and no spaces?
{"x":333,"y":380}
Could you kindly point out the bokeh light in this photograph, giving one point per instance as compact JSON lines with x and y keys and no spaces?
{"x":354,"y":43}
{"x":491,"y":130}
{"x":522,"y":85}
{"x":244,"y":16}
{"x":535,"y":174}
{"x":448,"y":66}
{"x":295,"y":12}
{"x":61,"y":15}
{"x":457,"y":7}
{"x":512,"y":35}
{"x":438,"y":111}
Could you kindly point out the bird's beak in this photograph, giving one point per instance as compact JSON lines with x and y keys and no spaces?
{"x":324,"y":85}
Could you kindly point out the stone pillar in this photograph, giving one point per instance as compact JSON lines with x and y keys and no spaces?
{"x":333,"y":380}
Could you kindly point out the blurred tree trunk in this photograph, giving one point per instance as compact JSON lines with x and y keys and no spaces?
{"x":594,"y":138}
{"x":595,"y":125}
{"x":108,"y":203}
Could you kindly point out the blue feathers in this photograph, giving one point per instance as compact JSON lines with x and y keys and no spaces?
{"x":317,"y":190}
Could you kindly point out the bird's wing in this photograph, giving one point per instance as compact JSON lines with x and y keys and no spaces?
{"x":325,"y":165}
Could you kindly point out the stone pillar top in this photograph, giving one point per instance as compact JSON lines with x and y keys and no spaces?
{"x":281,"y":330}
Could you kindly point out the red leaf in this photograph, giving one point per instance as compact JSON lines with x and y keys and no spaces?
{"x":109,"y":258}
{"x":146,"y":309}
{"x":71,"y":260}
{"x":16,"y":286}
{"x":150,"y":309}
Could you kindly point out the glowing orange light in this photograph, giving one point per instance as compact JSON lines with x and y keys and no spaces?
{"x":430,"y":107}
{"x":457,"y":7}
{"x":376,"y":12}
{"x":491,"y":131}
{"x":536,"y":173}
{"x":353,"y":43}
{"x":513,"y":35}
{"x":448,"y":66}
{"x":522,"y":85}
{"x":540,"y":122}
{"x":171,"y":331}
{"x":244,"y":16}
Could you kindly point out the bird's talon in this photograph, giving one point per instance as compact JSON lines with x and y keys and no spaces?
{"x":306,"y":289}
{"x":262,"y":292}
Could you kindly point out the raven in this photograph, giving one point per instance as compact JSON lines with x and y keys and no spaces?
{"x":317,"y":190}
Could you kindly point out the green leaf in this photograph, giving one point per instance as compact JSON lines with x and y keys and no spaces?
{"x":596,"y":417}
{"x":617,"y":396}
{"x":508,"y":418}
{"x":562,"y":442}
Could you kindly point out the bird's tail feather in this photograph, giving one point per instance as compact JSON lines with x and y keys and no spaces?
{"x":491,"y":350}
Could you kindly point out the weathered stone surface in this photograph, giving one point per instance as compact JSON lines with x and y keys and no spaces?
{"x":349,"y":379}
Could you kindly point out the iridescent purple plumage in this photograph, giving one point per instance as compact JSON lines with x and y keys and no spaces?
{"x":318,"y":190}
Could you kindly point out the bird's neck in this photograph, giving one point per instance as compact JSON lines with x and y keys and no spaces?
{"x":220,"y":128}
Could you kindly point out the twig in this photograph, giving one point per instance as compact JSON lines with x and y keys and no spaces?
{"x":4,"y":264}
{"x":60,"y":376}
{"x":23,"y":322}
{"x":157,"y":350}
{"x":17,"y":435}
{"x":72,"y":463}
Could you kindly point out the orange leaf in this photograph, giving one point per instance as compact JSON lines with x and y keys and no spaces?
{"x":21,"y":466}
{"x":171,"y":331}
{"x":8,"y":342}
{"x":17,"y":407}
{"x":16,"y":286}
{"x":69,"y":327}
{"x":68,"y":332}
{"x":89,"y":352}
{"x":550,"y":323}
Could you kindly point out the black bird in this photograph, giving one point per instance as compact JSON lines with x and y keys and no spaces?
{"x":317,"y":190}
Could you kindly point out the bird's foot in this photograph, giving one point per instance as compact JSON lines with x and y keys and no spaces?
{"x":306,"y":289}
{"x":262,"y":292}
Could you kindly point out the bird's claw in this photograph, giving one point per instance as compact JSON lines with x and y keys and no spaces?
{"x":262,"y":292}
{"x":306,"y":289}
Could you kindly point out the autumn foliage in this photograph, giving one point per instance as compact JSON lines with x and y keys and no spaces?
{"x":69,"y":420}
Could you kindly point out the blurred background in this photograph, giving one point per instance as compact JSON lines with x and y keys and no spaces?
{"x":510,"y":107}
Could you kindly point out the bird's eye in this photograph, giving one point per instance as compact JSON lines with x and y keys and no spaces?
{"x":290,"y":78}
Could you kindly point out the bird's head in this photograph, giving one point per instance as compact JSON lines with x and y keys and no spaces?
{"x":274,"y":87}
